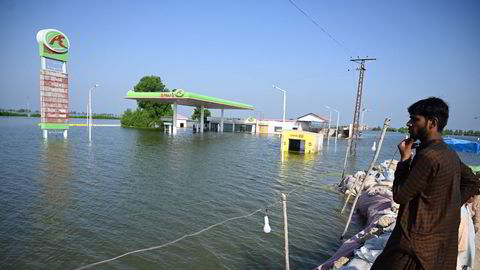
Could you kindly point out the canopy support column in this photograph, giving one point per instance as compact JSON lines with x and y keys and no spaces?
{"x":201,"y":118}
{"x":221,"y":122}
{"x":174,"y":119}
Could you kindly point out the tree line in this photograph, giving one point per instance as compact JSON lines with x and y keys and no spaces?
{"x":456,"y":132}
{"x":24,"y":113}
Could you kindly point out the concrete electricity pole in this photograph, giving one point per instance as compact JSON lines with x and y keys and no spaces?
{"x":358,"y":102}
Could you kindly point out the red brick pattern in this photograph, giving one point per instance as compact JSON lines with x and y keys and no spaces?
{"x":53,"y":96}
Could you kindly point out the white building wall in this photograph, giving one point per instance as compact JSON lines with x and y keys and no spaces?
{"x":183,"y":121}
{"x":290,"y":125}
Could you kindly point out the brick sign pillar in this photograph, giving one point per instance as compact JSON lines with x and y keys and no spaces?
{"x":53,"y":46}
{"x":53,"y":97}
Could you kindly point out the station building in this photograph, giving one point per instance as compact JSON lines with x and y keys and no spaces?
{"x":310,"y":122}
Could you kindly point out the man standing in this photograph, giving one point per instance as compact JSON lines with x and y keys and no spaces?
{"x":430,"y":189}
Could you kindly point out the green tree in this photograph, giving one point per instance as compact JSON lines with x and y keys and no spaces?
{"x":196,"y":114}
{"x":148,"y":113}
{"x":403,"y":130}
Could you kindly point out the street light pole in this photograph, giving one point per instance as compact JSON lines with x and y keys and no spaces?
{"x":338,"y":118}
{"x":284,"y":100}
{"x":90,"y":111}
{"x":329,"y":121}
{"x":363,"y":114}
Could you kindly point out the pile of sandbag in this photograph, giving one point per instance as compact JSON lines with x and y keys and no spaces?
{"x":376,"y":206}
{"x":382,"y":174}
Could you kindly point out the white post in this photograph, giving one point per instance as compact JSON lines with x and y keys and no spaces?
{"x":338,"y":117}
{"x":174,"y":119}
{"x":87,"y":116}
{"x":336,"y":132}
{"x":233,"y":125}
{"x":65,"y":133}
{"x":328,"y":133}
{"x":284,"y":103}
{"x":385,"y":126}
{"x":201,"y":118}
{"x":363,"y":115}
{"x":45,"y":134}
{"x":285,"y":229}
{"x":284,"y":107}
{"x":221,"y":122}
{"x":43,"y":62}
{"x":346,"y":157}
{"x":90,"y":115}
{"x":90,"y":112}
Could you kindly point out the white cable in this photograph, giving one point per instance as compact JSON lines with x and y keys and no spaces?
{"x":189,"y":235}
{"x":176,"y":240}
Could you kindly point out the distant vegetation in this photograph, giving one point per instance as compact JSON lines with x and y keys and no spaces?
{"x":457,"y":132}
{"x":24,"y":113}
{"x":148,"y":114}
{"x":401,"y":130}
{"x":96,"y":116}
{"x":7,"y":113}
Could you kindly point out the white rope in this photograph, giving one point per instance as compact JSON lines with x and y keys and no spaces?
{"x":176,"y":240}
{"x":192,"y":234}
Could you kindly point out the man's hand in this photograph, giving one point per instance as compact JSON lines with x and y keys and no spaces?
{"x":405,"y":148}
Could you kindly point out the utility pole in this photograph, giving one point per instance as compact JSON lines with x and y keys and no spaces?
{"x":358,"y":102}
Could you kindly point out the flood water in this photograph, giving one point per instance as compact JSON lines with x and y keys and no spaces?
{"x":69,"y":203}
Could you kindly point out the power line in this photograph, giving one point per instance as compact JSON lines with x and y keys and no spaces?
{"x":320,"y":27}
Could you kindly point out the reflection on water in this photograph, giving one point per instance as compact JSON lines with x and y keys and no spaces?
{"x":56,"y":189}
{"x":57,"y":169}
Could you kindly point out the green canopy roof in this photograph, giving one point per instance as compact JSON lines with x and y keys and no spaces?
{"x":188,"y":99}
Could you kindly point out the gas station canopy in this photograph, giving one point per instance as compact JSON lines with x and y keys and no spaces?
{"x":182,"y":97}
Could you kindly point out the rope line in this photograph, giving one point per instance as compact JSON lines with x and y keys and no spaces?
{"x":176,"y":240}
{"x":198,"y":232}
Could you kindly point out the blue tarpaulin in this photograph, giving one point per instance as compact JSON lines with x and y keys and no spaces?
{"x":463,"y":145}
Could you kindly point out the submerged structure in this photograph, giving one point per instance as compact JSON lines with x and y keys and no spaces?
{"x":301,"y":141}
{"x":182,"y":97}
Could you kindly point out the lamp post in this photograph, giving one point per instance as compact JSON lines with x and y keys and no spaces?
{"x":364,"y":110}
{"x":284,"y":101}
{"x":90,"y":111}
{"x":338,"y":118}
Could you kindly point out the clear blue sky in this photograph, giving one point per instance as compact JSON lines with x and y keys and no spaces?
{"x":236,"y":49}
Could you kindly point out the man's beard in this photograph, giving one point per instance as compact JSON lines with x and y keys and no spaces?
{"x":420,"y":135}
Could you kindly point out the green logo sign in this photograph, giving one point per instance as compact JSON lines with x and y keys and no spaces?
{"x":179,"y":92}
{"x":56,"y":41}
{"x":53,"y":44}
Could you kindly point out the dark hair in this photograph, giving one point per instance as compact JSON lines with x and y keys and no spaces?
{"x":430,"y":108}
